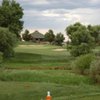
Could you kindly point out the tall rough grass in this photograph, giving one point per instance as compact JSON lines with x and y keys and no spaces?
{"x":49,"y":76}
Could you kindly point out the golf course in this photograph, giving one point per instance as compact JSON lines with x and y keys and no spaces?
{"x":49,"y":50}
{"x":38,"y":68}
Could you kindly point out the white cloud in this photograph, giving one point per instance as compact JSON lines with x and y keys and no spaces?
{"x":95,"y":1}
{"x":87,"y":15}
{"x":33,"y":2}
{"x":50,"y":13}
{"x":59,"y":19}
{"x":40,"y":2}
{"x":43,"y":31}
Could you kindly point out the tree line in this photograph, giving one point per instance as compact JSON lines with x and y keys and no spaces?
{"x":49,"y":36}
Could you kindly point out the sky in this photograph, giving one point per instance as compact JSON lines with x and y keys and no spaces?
{"x":43,"y":15}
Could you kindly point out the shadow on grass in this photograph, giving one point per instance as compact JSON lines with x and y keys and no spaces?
{"x":24,"y":58}
{"x":36,"y":58}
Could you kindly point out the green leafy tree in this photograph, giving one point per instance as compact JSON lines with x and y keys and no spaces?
{"x":49,"y":36}
{"x":26,"y":35}
{"x":73,"y":28}
{"x":11,"y":14}
{"x":59,"y":38}
{"x":81,"y":40}
{"x":7,"y":42}
{"x":95,"y":32}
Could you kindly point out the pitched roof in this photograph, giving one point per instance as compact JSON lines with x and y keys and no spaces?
{"x":37,"y":34}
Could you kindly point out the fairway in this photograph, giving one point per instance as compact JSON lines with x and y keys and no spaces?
{"x":36,"y":69}
{"x":37,"y":91}
{"x":38,"y":57}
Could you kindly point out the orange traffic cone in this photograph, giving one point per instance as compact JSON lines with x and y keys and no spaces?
{"x":48,"y":96}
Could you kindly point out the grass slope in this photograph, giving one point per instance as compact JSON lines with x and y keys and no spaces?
{"x":49,"y":76}
{"x":37,"y":91}
{"x":29,"y":76}
{"x":38,"y":57}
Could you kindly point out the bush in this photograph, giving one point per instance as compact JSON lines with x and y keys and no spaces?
{"x":82,"y":64}
{"x":1,"y":57}
{"x":95,"y":70}
{"x":7,"y":42}
{"x":83,"y":48}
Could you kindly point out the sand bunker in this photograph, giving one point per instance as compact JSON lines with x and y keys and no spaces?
{"x":59,"y":49}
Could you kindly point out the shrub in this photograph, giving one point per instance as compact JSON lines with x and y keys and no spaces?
{"x":82,"y":63}
{"x":7,"y":42}
{"x":1,"y":58}
{"x":83,"y":48}
{"x":95,"y":70}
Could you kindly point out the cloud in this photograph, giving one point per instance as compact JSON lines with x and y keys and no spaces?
{"x":95,"y":1}
{"x":58,"y":4}
{"x":76,"y":14}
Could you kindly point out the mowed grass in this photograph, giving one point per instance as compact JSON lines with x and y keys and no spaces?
{"x":38,"y":57}
{"x":37,"y":91}
{"x":36,"y":69}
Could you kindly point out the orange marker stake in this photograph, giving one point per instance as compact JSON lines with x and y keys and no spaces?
{"x":48,"y":96}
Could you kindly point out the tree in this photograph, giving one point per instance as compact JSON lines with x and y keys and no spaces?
{"x":59,"y":38}
{"x":81,"y":40}
{"x":11,"y":14}
{"x":7,"y":42}
{"x":95,"y":32}
{"x":26,"y":35}
{"x":49,"y":36}
{"x":72,"y":28}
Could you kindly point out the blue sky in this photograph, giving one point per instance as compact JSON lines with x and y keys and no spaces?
{"x":58,"y":14}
